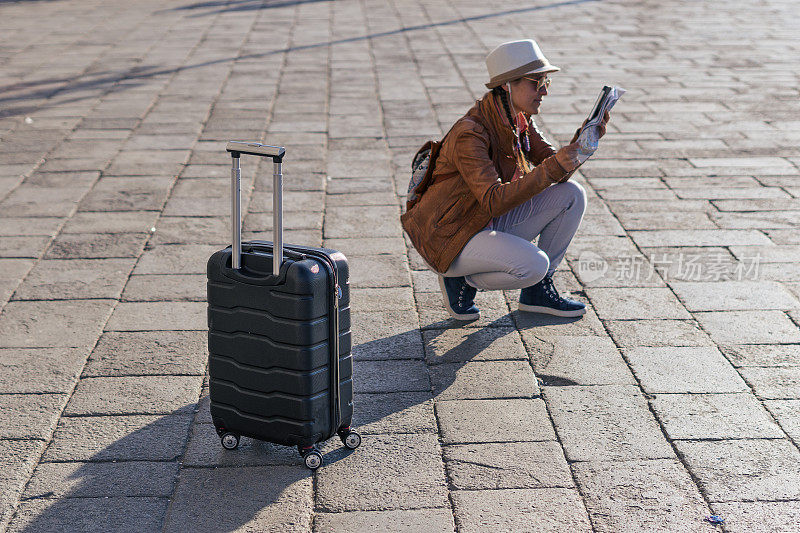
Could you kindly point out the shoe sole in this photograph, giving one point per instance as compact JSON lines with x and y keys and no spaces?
{"x":551,"y":311}
{"x":457,"y":316}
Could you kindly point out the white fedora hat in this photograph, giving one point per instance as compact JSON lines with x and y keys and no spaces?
{"x":515,"y":59}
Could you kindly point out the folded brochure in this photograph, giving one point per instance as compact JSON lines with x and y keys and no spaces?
{"x":590,"y":134}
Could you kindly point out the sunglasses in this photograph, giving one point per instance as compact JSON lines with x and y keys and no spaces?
{"x":543,"y":81}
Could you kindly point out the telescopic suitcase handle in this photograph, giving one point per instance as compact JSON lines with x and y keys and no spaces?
{"x":237,"y":148}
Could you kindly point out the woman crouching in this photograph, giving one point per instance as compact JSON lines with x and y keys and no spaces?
{"x":495,"y":186}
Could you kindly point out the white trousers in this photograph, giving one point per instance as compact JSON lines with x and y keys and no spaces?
{"x":503,"y":256}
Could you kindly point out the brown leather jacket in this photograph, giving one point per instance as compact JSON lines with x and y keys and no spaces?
{"x":472,"y":183}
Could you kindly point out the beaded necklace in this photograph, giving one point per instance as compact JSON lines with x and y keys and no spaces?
{"x":521,"y":138}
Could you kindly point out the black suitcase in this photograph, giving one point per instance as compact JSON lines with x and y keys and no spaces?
{"x":279,"y":345}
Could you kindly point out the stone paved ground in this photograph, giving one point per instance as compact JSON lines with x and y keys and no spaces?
{"x":676,"y":396}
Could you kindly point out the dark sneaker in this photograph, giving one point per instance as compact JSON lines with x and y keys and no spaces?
{"x":459,"y":298}
{"x":543,"y":298}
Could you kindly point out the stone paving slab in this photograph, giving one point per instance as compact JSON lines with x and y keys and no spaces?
{"x":762,"y":355}
{"x":117,"y":222}
{"x":749,"y":327}
{"x":386,"y":335}
{"x":20,"y":226}
{"x":777,"y":517}
{"x":96,"y":246}
{"x":192,"y":230}
{"x":714,"y":416}
{"x":699,"y":238}
{"x":133,"y":395}
{"x":119,"y":353}
{"x":683,"y":370}
{"x":23,"y":246}
{"x":773,"y":383}
{"x":573,"y":360}
{"x":39,"y":324}
{"x":550,"y":509}
{"x":636,"y":303}
{"x":734,"y":295}
{"x":605,"y":423}
{"x":470,"y":421}
{"x":395,"y":412}
{"x":463,"y":345}
{"x":534,"y":326}
{"x":129,"y":515}
{"x":744,"y":470}
{"x":399,"y":472}
{"x":109,"y":438}
{"x":175,"y":259}
{"x":165,"y":287}
{"x":767,"y":254}
{"x":484,"y":380}
{"x":630,"y":333}
{"x":46,"y":370}
{"x":102,"y":480}
{"x":787,"y":414}
{"x":258,"y":498}
{"x":433,"y":520}
{"x":390,"y":376}
{"x":17,"y":461}
{"x":381,"y":299}
{"x":653,"y":495}
{"x":163,"y":316}
{"x":11,"y":272}
{"x":507,"y":466}
{"x":73,"y":279}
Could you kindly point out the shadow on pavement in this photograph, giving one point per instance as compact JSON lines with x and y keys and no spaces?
{"x":109,"y":80}
{"x":221,"y":6}
{"x":132,"y":483}
{"x":217,"y":489}
{"x":14,"y":95}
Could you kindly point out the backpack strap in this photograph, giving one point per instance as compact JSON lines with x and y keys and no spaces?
{"x":435,"y":147}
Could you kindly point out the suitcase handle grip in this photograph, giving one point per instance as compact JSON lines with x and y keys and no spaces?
{"x":236,"y":149}
{"x":254,"y":148}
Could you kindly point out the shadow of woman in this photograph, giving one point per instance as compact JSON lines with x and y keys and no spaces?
{"x":397,"y":378}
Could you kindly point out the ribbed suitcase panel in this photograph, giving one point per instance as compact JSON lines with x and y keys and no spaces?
{"x":255,"y":350}
{"x":276,"y":379}
{"x":259,"y":322}
{"x":268,"y":404}
{"x":277,"y":430}
{"x":277,"y":417}
{"x":228,"y":293}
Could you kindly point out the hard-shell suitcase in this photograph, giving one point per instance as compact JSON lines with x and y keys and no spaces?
{"x":278,"y":334}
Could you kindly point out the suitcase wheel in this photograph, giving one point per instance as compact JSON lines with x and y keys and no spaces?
{"x":311,"y":456}
{"x":230,"y":441}
{"x":350,"y":438}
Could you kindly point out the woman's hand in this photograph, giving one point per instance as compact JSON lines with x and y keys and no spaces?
{"x":601,"y":128}
{"x":567,"y":156}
